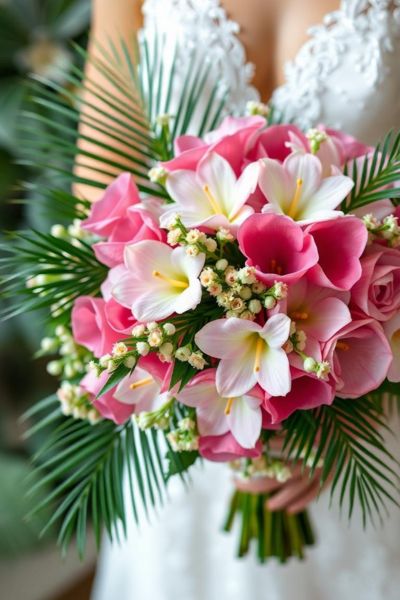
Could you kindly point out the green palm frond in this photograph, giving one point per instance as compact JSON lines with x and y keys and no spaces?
{"x":118,"y":115}
{"x":347,"y":437}
{"x":374,"y":173}
{"x":86,"y":465}
{"x":59,"y":272}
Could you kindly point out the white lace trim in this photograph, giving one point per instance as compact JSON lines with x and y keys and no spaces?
{"x":365,"y":30}
{"x":203,"y":26}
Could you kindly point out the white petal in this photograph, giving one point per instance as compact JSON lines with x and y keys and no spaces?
{"x":216,"y":172}
{"x":189,"y":298}
{"x":245,"y":186}
{"x":153,"y":306}
{"x":245,"y":422}
{"x":225,"y":338}
{"x":308,"y":168}
{"x":199,"y":394}
{"x":274,"y":375}
{"x":142,"y":258}
{"x":328,"y":196}
{"x":276,"y":330}
{"x":236,"y":376}
{"x":276,"y":184}
{"x":124,"y":291}
{"x":145,"y":393}
{"x":191,"y":266}
{"x":184,"y":187}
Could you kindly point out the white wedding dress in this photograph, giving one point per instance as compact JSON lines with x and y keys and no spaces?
{"x":347,"y":76}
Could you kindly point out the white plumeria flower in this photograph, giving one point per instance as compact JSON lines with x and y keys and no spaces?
{"x":217,"y":415}
{"x":212,"y":196}
{"x":298,"y":189}
{"x":392,"y":330}
{"x":249,"y":354}
{"x":159,"y":280}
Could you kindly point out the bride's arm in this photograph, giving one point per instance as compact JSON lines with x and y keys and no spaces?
{"x":111,"y":22}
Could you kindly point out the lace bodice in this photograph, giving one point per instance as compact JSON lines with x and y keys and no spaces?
{"x":346,"y":75}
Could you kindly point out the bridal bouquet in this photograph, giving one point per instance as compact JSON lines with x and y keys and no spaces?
{"x":231,"y":296}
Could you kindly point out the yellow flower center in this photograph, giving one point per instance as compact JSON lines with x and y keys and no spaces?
{"x":174,"y":282}
{"x":140,"y":383}
{"x":213,"y":202}
{"x":295,"y":200}
{"x":298,"y":315}
{"x":342,"y":346}
{"x":257,"y":359}
{"x":228,"y":406}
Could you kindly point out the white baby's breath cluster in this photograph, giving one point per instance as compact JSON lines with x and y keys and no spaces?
{"x":195,"y":358}
{"x":75,"y":402}
{"x":155,"y":337}
{"x":238,"y":291}
{"x":385,"y":229}
{"x":73,"y":359}
{"x":194,"y":240}
{"x":185,"y":437}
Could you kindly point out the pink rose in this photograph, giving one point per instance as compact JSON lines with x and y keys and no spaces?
{"x":91,"y":324}
{"x":377,"y":293}
{"x":307,"y":393}
{"x":360,"y":356}
{"x":340,"y":243}
{"x":121,"y":218}
{"x":224,"y":448}
{"x":277,"y":247}
{"x":108,"y":212}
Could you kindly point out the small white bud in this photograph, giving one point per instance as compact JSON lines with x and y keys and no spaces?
{"x":245,"y":292}
{"x":221,"y":264}
{"x":48,"y":344}
{"x":269,"y":302}
{"x":183,"y":353}
{"x":210,"y":244}
{"x":138,"y":330}
{"x":54,"y":368}
{"x":169,"y":328}
{"x":167,"y":349}
{"x":130,"y":362}
{"x":143,"y":348}
{"x":58,"y":231}
{"x":152,"y":325}
{"x":255,"y":306}
{"x":309,"y":364}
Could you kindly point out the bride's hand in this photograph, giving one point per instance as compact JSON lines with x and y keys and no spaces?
{"x":294,"y":495}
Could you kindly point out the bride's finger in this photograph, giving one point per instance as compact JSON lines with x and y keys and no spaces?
{"x":261,"y":485}
{"x":305,"y":499}
{"x":291,"y":491}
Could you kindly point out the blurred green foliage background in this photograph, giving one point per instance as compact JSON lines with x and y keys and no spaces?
{"x":35,"y":39}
